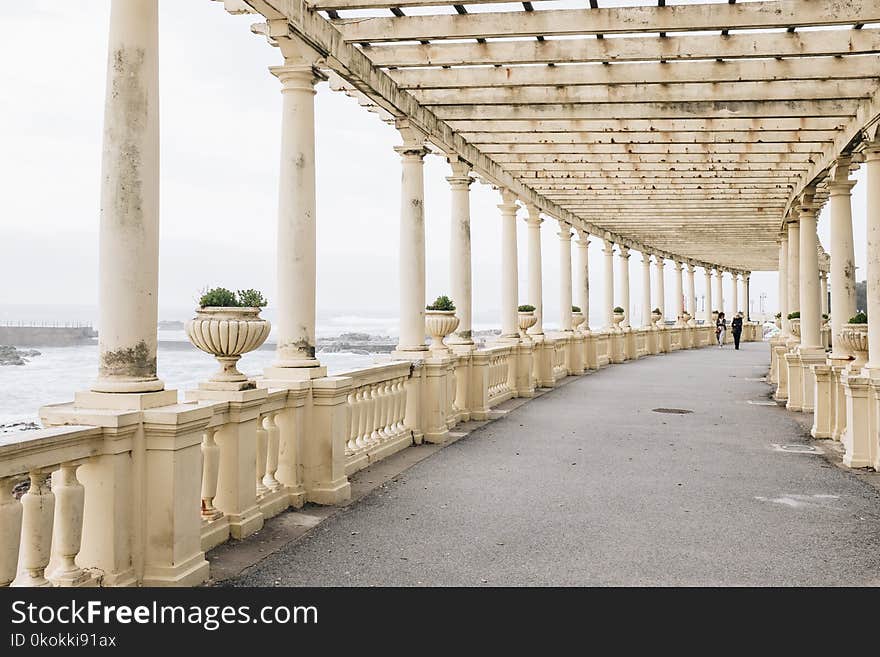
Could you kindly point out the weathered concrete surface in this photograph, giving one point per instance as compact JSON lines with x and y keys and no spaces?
{"x":588,"y":486}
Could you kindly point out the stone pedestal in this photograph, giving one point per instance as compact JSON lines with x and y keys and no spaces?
{"x":808,"y":358}
{"x":617,"y":341}
{"x":173,"y":553}
{"x":823,"y":412}
{"x":522,"y":360}
{"x":795,"y":381}
{"x":324,"y":449}
{"x":591,"y":361}
{"x":542,"y":362}
{"x":576,"y":354}
{"x":838,"y":397}
{"x":857,"y":436}
{"x":781,"y":393}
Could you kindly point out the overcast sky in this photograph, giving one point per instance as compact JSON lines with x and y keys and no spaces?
{"x":220,"y":118}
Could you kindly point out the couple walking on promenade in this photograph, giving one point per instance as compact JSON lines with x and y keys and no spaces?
{"x":736,"y":327}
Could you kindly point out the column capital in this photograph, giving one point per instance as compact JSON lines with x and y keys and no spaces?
{"x":583,"y":237}
{"x":508,"y":201}
{"x":461,"y":171}
{"x":624,"y":252}
{"x":872,"y":151}
{"x":841,"y":187}
{"x":677,"y":265}
{"x":646,"y":259}
{"x":533,"y":215}
{"x":659,"y":261}
{"x":564,"y":230}
{"x":296,"y":76}
{"x":413,"y":140}
{"x":690,"y":267}
{"x":608,"y":249}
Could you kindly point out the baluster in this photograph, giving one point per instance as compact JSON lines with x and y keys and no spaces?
{"x":272,"y":458}
{"x":363,"y":391}
{"x":384,"y":406}
{"x":38,"y":512}
{"x":373,"y":436}
{"x":210,"y":473}
{"x":262,"y":451}
{"x":10,"y":532}
{"x":397,"y":403}
{"x":351,"y":444}
{"x":70,"y":496}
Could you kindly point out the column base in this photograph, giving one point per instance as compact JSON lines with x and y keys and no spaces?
{"x":281,"y":375}
{"x":117,"y":401}
{"x":330,"y":494}
{"x":242,"y":525}
{"x":192,"y":572}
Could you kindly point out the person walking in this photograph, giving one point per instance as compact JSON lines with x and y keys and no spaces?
{"x":736,"y":327}
{"x":720,"y":329}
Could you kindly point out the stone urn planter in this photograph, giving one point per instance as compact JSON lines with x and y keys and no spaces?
{"x":576,"y":319}
{"x":617,"y":318}
{"x":795,"y":325}
{"x":439,"y":324}
{"x":685,"y":317}
{"x":656,"y":316}
{"x":227,"y":332}
{"x":855,"y":338}
{"x":526,"y":321}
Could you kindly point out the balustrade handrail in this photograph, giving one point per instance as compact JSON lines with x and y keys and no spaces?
{"x":28,"y":451}
{"x":376,"y":373}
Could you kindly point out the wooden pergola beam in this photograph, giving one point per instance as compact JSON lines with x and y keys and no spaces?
{"x":670,"y":158}
{"x":611,"y":20}
{"x":632,"y":49}
{"x":588,"y":148}
{"x":622,"y":127}
{"x":652,"y":110}
{"x":811,"y":137}
{"x":784,"y":90}
{"x":669,"y":73}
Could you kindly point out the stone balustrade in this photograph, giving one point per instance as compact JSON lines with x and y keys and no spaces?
{"x":79,"y":502}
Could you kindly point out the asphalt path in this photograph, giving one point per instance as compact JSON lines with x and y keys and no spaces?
{"x":589,"y":485}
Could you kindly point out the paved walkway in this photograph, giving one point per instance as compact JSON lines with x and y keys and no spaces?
{"x":589,"y":486}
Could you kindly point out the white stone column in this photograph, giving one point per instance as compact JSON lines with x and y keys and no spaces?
{"x":783,"y":284}
{"x":646,"y":290}
{"x":843,"y":266}
{"x":691,"y":294}
{"x":809,"y":275}
{"x":707,"y":311}
{"x":564,"y":277}
{"x":735,"y":310}
{"x":460,"y":250}
{"x":823,"y":292}
{"x":296,"y":237}
{"x":660,"y":296}
{"x":794,"y":266}
{"x":623,"y":256}
{"x":412,"y":242}
{"x":608,"y":282}
{"x":128,"y":255}
{"x":679,"y":287}
{"x":719,"y":289}
{"x":582,"y":287}
{"x":536,"y":292}
{"x":509,"y":275}
{"x":872,"y":273}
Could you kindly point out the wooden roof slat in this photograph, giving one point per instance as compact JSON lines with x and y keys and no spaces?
{"x":611,"y":20}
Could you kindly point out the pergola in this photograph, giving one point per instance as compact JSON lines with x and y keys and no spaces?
{"x":686,"y":129}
